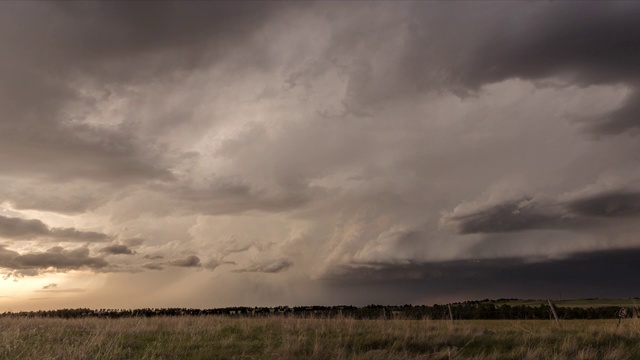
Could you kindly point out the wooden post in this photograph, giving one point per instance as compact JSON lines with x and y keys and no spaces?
{"x":622,"y":313}
{"x":450,"y":313}
{"x":553,"y":311}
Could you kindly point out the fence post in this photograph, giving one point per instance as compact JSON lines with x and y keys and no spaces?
{"x":553,"y":310}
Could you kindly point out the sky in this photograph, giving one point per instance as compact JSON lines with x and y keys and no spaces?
{"x":211,"y":154}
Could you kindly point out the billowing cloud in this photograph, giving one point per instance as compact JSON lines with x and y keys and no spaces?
{"x":19,"y":229}
{"x":57,"y":257}
{"x":531,"y":214}
{"x":61,"y":121}
{"x":270,"y":267}
{"x":356,"y":140}
{"x":214,"y":264}
{"x":133,"y":241}
{"x":620,"y":204}
{"x":188,"y":261}
{"x":490,"y":43}
{"x":152,"y":266}
{"x":518,"y":215}
{"x":117,"y":249}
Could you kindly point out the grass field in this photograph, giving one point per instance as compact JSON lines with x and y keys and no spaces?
{"x":295,"y":338}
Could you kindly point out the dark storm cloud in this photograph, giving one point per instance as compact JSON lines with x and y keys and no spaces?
{"x":227,"y":196}
{"x":117,"y":42}
{"x":270,"y":267}
{"x":530,"y":214}
{"x":117,"y":31}
{"x":52,"y":50}
{"x":153,"y":266}
{"x":214,"y":264}
{"x":23,"y":229}
{"x":518,"y":215}
{"x":623,"y":119}
{"x":591,"y":274}
{"x":71,"y":234}
{"x":463,"y":46}
{"x":318,"y":134}
{"x":608,"y":205}
{"x":56,"y":257}
{"x":117,"y":249}
{"x":189,"y":261}
{"x":590,"y":44}
{"x":593,"y":44}
{"x":132,"y":242}
{"x":17,"y":228}
{"x":76,"y":151}
{"x":61,"y":258}
{"x":41,"y":198}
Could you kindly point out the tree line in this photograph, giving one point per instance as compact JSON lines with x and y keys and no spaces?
{"x":470,"y":310}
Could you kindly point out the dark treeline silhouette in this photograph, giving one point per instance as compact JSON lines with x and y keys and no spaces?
{"x":468,"y":310}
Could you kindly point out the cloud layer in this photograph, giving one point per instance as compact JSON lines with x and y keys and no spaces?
{"x":260,"y":146}
{"x":55,"y":258}
{"x":531,"y":213}
{"x":26,"y":229}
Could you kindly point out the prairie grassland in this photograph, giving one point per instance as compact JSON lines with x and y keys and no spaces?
{"x":296,"y":338}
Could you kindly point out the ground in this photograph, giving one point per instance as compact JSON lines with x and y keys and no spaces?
{"x":217,"y":337}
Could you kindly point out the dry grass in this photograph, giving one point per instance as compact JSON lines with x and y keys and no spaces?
{"x":296,"y":338}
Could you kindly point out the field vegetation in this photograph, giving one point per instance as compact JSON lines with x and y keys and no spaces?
{"x":281,"y":337}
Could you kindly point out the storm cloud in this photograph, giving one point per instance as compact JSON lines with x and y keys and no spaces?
{"x":57,"y":257}
{"x":493,"y":42}
{"x":316,"y":151}
{"x":582,"y":275}
{"x":117,"y":249}
{"x":609,"y":205}
{"x":189,"y":261}
{"x":271,"y":267}
{"x":17,"y":228}
{"x":531,"y":214}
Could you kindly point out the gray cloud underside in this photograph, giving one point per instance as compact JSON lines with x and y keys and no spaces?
{"x":132,"y":242}
{"x":44,"y":197}
{"x":365,"y":119}
{"x":488,"y":43}
{"x":466,"y":46}
{"x":23,"y":229}
{"x":56,"y":257}
{"x":189,"y":261}
{"x":529,"y":214}
{"x":117,"y":249}
{"x":270,"y":267}
{"x":608,"y":205}
{"x":582,"y":275}
{"x":109,"y":45}
{"x":225,"y":196}
{"x":153,"y":266}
